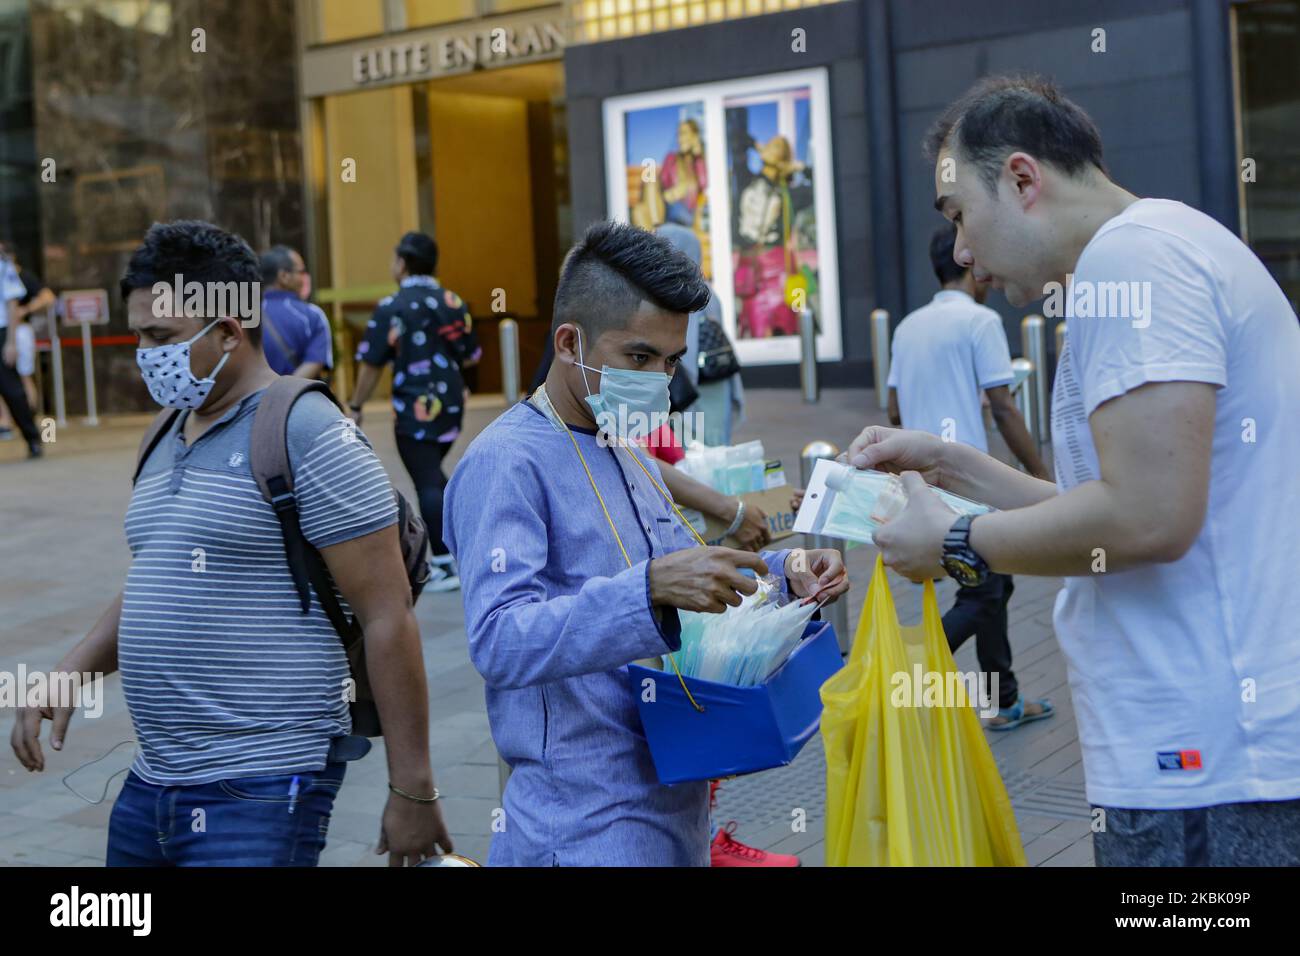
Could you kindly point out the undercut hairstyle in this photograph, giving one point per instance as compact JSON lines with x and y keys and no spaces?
{"x":275,"y":260}
{"x":1001,"y":115}
{"x":198,"y":252}
{"x":942,"y":242}
{"x":614,"y":268}
{"x":419,"y":252}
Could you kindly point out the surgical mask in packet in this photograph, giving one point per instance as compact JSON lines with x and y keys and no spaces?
{"x":863,"y":501}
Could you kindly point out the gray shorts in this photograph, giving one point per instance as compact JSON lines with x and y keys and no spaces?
{"x":1229,"y":834}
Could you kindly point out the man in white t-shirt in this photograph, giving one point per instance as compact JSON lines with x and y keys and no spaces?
{"x":12,"y":392}
{"x":944,"y":355}
{"x":1174,"y":521}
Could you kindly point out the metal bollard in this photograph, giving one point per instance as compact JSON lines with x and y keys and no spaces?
{"x":808,"y":357}
{"x":510,"y":360}
{"x":1024,"y":396}
{"x":1033,"y":345}
{"x":880,"y":355}
{"x":88,"y":370}
{"x":56,"y":368}
{"x":837,"y":613}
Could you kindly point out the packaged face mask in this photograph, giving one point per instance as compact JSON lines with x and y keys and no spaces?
{"x":844,"y":502}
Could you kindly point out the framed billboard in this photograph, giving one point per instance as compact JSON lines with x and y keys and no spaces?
{"x":745,"y":164}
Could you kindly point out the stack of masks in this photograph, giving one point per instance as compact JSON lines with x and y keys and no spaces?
{"x":744,"y":645}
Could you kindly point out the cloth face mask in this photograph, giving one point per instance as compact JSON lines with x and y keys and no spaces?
{"x":167,"y":373}
{"x":630,"y":404}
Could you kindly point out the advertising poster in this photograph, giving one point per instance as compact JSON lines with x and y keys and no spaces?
{"x":745,"y":164}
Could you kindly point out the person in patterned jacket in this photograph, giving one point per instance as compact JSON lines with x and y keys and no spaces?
{"x":427,"y":333}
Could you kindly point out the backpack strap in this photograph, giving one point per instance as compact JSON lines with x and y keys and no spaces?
{"x":269,"y":459}
{"x":159,"y":427}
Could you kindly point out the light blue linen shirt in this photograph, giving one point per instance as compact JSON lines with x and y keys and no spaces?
{"x":554,"y":615}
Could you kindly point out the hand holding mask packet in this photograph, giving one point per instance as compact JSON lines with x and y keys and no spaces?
{"x":844,"y":502}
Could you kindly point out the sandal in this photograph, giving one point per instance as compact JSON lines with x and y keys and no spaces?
{"x":1015,"y":714}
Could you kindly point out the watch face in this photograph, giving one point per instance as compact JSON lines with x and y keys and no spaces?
{"x":960,"y":571}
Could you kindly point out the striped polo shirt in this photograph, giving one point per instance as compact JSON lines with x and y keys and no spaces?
{"x":224,"y":675}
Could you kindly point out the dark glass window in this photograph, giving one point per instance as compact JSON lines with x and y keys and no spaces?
{"x":1268,"y":97}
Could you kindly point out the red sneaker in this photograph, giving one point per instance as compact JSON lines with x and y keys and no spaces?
{"x":728,"y":851}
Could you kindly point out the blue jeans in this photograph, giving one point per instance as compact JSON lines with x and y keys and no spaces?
{"x":243,"y":821}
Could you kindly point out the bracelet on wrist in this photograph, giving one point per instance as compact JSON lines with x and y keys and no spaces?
{"x":738,"y":520}
{"x":417,"y":799}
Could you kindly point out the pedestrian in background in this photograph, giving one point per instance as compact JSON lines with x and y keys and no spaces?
{"x":296,"y":334}
{"x":426,"y":332}
{"x":721,"y":402}
{"x":12,"y":315}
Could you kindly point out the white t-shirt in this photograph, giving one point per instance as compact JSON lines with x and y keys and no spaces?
{"x":11,"y":287}
{"x":1186,"y":675}
{"x":944,"y":354}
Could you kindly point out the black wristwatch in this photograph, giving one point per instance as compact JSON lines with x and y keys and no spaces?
{"x":959,"y":559}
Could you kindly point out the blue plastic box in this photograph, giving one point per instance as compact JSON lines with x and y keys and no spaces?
{"x":742,"y":729}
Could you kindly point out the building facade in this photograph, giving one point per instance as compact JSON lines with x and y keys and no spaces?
{"x":785,"y":133}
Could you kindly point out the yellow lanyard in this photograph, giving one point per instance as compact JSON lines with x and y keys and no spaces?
{"x":545,"y":401}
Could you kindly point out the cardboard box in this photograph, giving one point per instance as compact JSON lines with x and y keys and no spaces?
{"x":774,"y":502}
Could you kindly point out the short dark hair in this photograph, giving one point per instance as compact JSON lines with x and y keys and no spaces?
{"x":941,"y":246}
{"x":419,"y":252}
{"x":1002,"y":114}
{"x":275,"y":260}
{"x":614,"y":268}
{"x":196,"y":250}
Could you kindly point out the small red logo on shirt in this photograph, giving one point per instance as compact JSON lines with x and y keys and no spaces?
{"x":1179,"y":760}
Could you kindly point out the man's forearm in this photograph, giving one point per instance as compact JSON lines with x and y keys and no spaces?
{"x":309,"y":370}
{"x":1012,"y":426}
{"x":96,"y":653}
{"x":692,"y":493}
{"x":395,"y":664}
{"x":1089,"y":530}
{"x":968,"y":472}
{"x":367,"y":376}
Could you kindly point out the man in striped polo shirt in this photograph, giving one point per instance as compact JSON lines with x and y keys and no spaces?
{"x":237,"y":698}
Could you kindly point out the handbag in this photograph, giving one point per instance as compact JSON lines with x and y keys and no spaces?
{"x":681,"y":392}
{"x":717,"y":360}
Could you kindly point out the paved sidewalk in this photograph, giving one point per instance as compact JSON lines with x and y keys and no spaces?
{"x":64,"y":557}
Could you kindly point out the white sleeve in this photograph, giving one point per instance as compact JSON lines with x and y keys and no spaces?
{"x":992,"y":354}
{"x":11,"y":287}
{"x":1157,"y":315}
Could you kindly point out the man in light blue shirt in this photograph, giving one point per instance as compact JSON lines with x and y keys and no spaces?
{"x":574,"y":565}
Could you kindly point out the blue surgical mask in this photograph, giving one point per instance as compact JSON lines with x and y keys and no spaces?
{"x":167,"y":373}
{"x":630,"y":404}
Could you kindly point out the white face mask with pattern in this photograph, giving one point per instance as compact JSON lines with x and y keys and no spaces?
{"x":167,"y":373}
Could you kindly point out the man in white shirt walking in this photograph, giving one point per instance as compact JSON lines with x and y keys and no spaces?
{"x":944,"y":354}
{"x":1172,"y":519}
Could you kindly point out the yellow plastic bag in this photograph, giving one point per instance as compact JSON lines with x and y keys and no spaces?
{"x":908,"y":785}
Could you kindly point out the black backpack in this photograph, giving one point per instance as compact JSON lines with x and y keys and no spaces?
{"x":269,"y":458}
